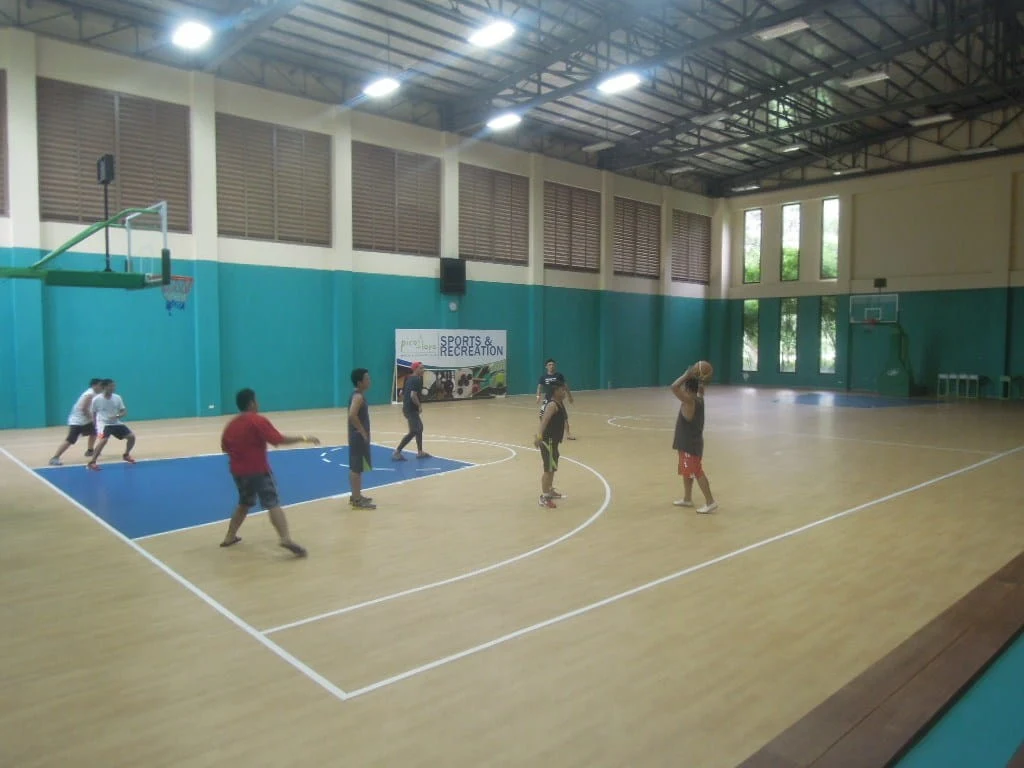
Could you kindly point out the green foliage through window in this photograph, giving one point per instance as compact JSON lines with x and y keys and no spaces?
{"x":827,"y":355}
{"x":791,"y":242}
{"x":751,"y":316}
{"x":752,"y":246}
{"x":787,"y":336}
{"x":830,"y":239}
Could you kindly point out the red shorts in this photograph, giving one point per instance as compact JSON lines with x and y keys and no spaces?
{"x":690,"y":465}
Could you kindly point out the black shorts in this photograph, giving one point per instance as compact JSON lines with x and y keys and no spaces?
{"x":251,"y":487}
{"x":120,"y":431}
{"x":415,"y":421}
{"x":77,"y":430}
{"x":549,"y":455}
{"x":359,"y":455}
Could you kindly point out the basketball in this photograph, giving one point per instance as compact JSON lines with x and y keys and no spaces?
{"x":705,"y":370}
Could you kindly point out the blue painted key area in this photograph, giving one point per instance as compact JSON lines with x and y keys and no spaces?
{"x":162,"y":495}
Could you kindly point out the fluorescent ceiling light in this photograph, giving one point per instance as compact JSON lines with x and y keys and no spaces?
{"x":794,"y":148}
{"x":871,"y":77}
{"x":501,"y":122}
{"x":678,"y":169}
{"x":494,"y":33}
{"x":980,"y":150}
{"x":847,"y":171}
{"x":599,"y":146}
{"x":943,"y":117}
{"x":382,"y":87}
{"x":781,"y":30}
{"x":714,"y":117}
{"x":620,"y":83}
{"x":191,"y":35}
{"x":748,"y":188}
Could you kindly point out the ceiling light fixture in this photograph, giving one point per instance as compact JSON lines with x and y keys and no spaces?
{"x":501,"y":122}
{"x":714,"y":117}
{"x":747,"y":188}
{"x":943,"y":117}
{"x":620,"y":83}
{"x":679,"y":169}
{"x":979,"y":150}
{"x":191,"y":35}
{"x":494,"y":33}
{"x":781,"y":30}
{"x":868,"y":79}
{"x":597,"y":147}
{"x":794,"y":148}
{"x":382,"y":87}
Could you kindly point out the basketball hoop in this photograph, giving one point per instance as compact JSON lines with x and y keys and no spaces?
{"x":176,"y":292}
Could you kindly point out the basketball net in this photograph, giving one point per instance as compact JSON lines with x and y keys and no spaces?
{"x":176,"y":292}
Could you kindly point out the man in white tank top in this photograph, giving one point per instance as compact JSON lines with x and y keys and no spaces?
{"x":80,"y":422}
{"x":108,"y":409}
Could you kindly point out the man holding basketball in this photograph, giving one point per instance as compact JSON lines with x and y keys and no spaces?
{"x":547,"y":440}
{"x":412,"y":408}
{"x":245,"y":440}
{"x":689,"y":435}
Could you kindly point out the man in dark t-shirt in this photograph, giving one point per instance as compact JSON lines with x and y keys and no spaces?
{"x":545,"y":388}
{"x":552,"y":427}
{"x":412,"y":408}
{"x":688,"y":440}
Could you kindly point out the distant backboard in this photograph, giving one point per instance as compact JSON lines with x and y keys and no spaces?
{"x":875,"y":308}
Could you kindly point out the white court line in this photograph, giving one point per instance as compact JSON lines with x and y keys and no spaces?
{"x":670,"y":577}
{"x":756,"y":433}
{"x":308,"y":671}
{"x":494,"y":566}
{"x":469,"y":465}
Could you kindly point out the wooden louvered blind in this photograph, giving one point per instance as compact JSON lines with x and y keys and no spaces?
{"x":637,"y":244}
{"x":396,"y":201}
{"x":691,"y":247}
{"x":149,"y":140}
{"x":3,"y":143}
{"x":494,"y":215}
{"x":273,"y":183}
{"x":572,"y":228}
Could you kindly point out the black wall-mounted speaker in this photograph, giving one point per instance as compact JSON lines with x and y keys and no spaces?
{"x":453,"y":277}
{"x":105,"y":169}
{"x":881,"y":282}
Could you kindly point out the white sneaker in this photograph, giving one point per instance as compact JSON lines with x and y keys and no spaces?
{"x":707,"y":509}
{"x":682,"y":503}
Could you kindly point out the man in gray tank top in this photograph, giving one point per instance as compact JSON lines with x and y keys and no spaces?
{"x":689,"y":439}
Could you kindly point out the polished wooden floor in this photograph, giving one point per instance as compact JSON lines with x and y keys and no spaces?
{"x":617,"y":630}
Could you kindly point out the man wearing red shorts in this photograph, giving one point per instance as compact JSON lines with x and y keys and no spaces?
{"x":689,"y":440}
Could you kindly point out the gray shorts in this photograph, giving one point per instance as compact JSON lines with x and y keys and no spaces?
{"x":251,"y":487}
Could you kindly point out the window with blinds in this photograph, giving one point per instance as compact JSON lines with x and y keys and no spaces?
{"x":572,"y":228}
{"x":691,"y":248}
{"x":494,"y":215}
{"x":149,"y":140}
{"x":273,"y":183}
{"x":637,"y":244}
{"x":3,"y":143}
{"x":396,"y":201}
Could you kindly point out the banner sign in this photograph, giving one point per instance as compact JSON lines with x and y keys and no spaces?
{"x":457,"y":365}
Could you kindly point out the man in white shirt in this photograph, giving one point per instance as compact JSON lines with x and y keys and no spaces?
{"x":108,"y":409}
{"x":80,"y":422}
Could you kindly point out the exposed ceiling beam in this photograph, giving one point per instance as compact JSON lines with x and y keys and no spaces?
{"x":800,"y":130}
{"x":633,"y":154}
{"x":724,"y":37}
{"x":863,"y":142}
{"x":241,"y":36}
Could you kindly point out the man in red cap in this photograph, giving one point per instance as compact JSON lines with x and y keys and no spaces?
{"x":412,"y":407}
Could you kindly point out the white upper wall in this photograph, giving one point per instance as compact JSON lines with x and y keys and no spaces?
{"x":27,"y":56}
{"x":943,"y":228}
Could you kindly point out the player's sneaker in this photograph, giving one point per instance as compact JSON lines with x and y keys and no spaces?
{"x":545,"y":501}
{"x":707,"y":509}
{"x":55,"y":462}
{"x":682,"y":503}
{"x":556,"y":494}
{"x":363,"y":503}
{"x":128,"y":458}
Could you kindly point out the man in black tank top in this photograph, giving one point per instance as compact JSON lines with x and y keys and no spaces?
{"x":359,"y":460}
{"x":688,"y":440}
{"x":548,"y":438}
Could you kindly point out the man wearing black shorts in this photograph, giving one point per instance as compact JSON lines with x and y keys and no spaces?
{"x":359,"y":459}
{"x":545,"y":386}
{"x":412,"y":409}
{"x":245,"y":441}
{"x":80,"y":422}
{"x":552,"y":427}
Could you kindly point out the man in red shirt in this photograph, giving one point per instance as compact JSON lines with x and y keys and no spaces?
{"x":245,"y":441}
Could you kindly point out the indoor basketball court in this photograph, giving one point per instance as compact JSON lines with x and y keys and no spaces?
{"x":456,"y":624}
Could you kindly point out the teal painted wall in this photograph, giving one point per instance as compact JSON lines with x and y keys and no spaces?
{"x":294,"y":335}
{"x":971,"y":331}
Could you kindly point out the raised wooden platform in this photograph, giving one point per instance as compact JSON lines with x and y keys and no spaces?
{"x":877,"y":717}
